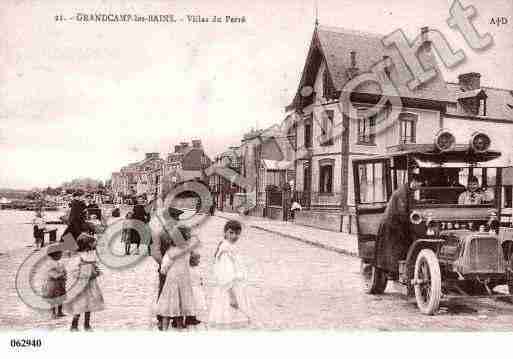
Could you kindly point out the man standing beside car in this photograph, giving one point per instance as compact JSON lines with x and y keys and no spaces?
{"x":393,"y":239}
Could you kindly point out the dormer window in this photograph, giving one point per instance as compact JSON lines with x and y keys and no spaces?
{"x":325,"y":84}
{"x":473,"y":101}
{"x":482,"y":107}
{"x":308,"y":132}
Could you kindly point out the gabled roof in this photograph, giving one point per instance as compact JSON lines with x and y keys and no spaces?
{"x":144,"y":162}
{"x":428,"y":152}
{"x":335,"y":45}
{"x":499,"y":102}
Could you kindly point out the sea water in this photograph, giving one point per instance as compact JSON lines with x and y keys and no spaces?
{"x":16,"y":229}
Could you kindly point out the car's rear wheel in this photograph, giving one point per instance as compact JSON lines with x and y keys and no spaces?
{"x":427,"y":282}
{"x":374,"y":279}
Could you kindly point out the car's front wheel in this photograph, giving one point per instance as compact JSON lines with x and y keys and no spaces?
{"x":427,"y":282}
{"x":374,"y":279}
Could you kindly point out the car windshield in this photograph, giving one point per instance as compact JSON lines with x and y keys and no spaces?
{"x":457,"y":186}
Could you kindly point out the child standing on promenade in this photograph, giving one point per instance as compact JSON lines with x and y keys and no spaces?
{"x":54,"y":288}
{"x":85,"y":271}
{"x":39,"y":230}
{"x":176,"y":300}
{"x":230,"y":305}
{"x":126,"y":235}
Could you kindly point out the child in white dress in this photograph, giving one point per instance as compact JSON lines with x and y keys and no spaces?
{"x":230,"y":306}
{"x":177,"y":300}
{"x":39,"y":230}
{"x":85,"y":271}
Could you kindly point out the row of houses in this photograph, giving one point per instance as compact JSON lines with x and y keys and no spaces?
{"x":302,"y":161}
{"x":148,"y":176}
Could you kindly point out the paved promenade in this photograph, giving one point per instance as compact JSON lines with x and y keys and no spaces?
{"x":336,"y":241}
{"x":293,"y":283}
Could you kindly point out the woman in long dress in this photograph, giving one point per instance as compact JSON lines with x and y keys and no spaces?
{"x":230,"y":307}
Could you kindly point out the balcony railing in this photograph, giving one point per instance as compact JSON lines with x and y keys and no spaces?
{"x":326,"y":199}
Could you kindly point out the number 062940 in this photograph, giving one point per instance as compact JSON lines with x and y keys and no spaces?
{"x":25,"y":343}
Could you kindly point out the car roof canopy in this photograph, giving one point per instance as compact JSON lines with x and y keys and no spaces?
{"x":426,"y":155}
{"x":457,"y":158}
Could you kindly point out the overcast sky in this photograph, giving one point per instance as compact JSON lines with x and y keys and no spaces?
{"x":84,"y":99}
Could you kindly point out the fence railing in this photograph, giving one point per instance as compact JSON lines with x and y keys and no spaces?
{"x":309,"y":199}
{"x":326,"y":199}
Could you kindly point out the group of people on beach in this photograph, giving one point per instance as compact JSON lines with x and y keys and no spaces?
{"x":174,"y":248}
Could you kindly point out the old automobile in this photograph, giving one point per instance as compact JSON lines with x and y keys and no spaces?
{"x":454,"y":248}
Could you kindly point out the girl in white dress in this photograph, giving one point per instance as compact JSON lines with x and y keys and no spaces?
{"x":177,"y":300}
{"x":230,"y":306}
{"x":85,"y":270}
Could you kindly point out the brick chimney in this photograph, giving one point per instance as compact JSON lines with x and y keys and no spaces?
{"x":424,"y":31}
{"x":152,"y":155}
{"x":386,"y":61}
{"x":353,"y":58}
{"x":196,"y":143}
{"x":470,"y":81}
{"x":353,"y":71}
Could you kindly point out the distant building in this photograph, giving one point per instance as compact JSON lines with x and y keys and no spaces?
{"x":187,"y":162}
{"x":138,"y":178}
{"x":223,"y":184}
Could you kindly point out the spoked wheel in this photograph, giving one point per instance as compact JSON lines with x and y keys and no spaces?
{"x":374,"y":279}
{"x":427,"y":282}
